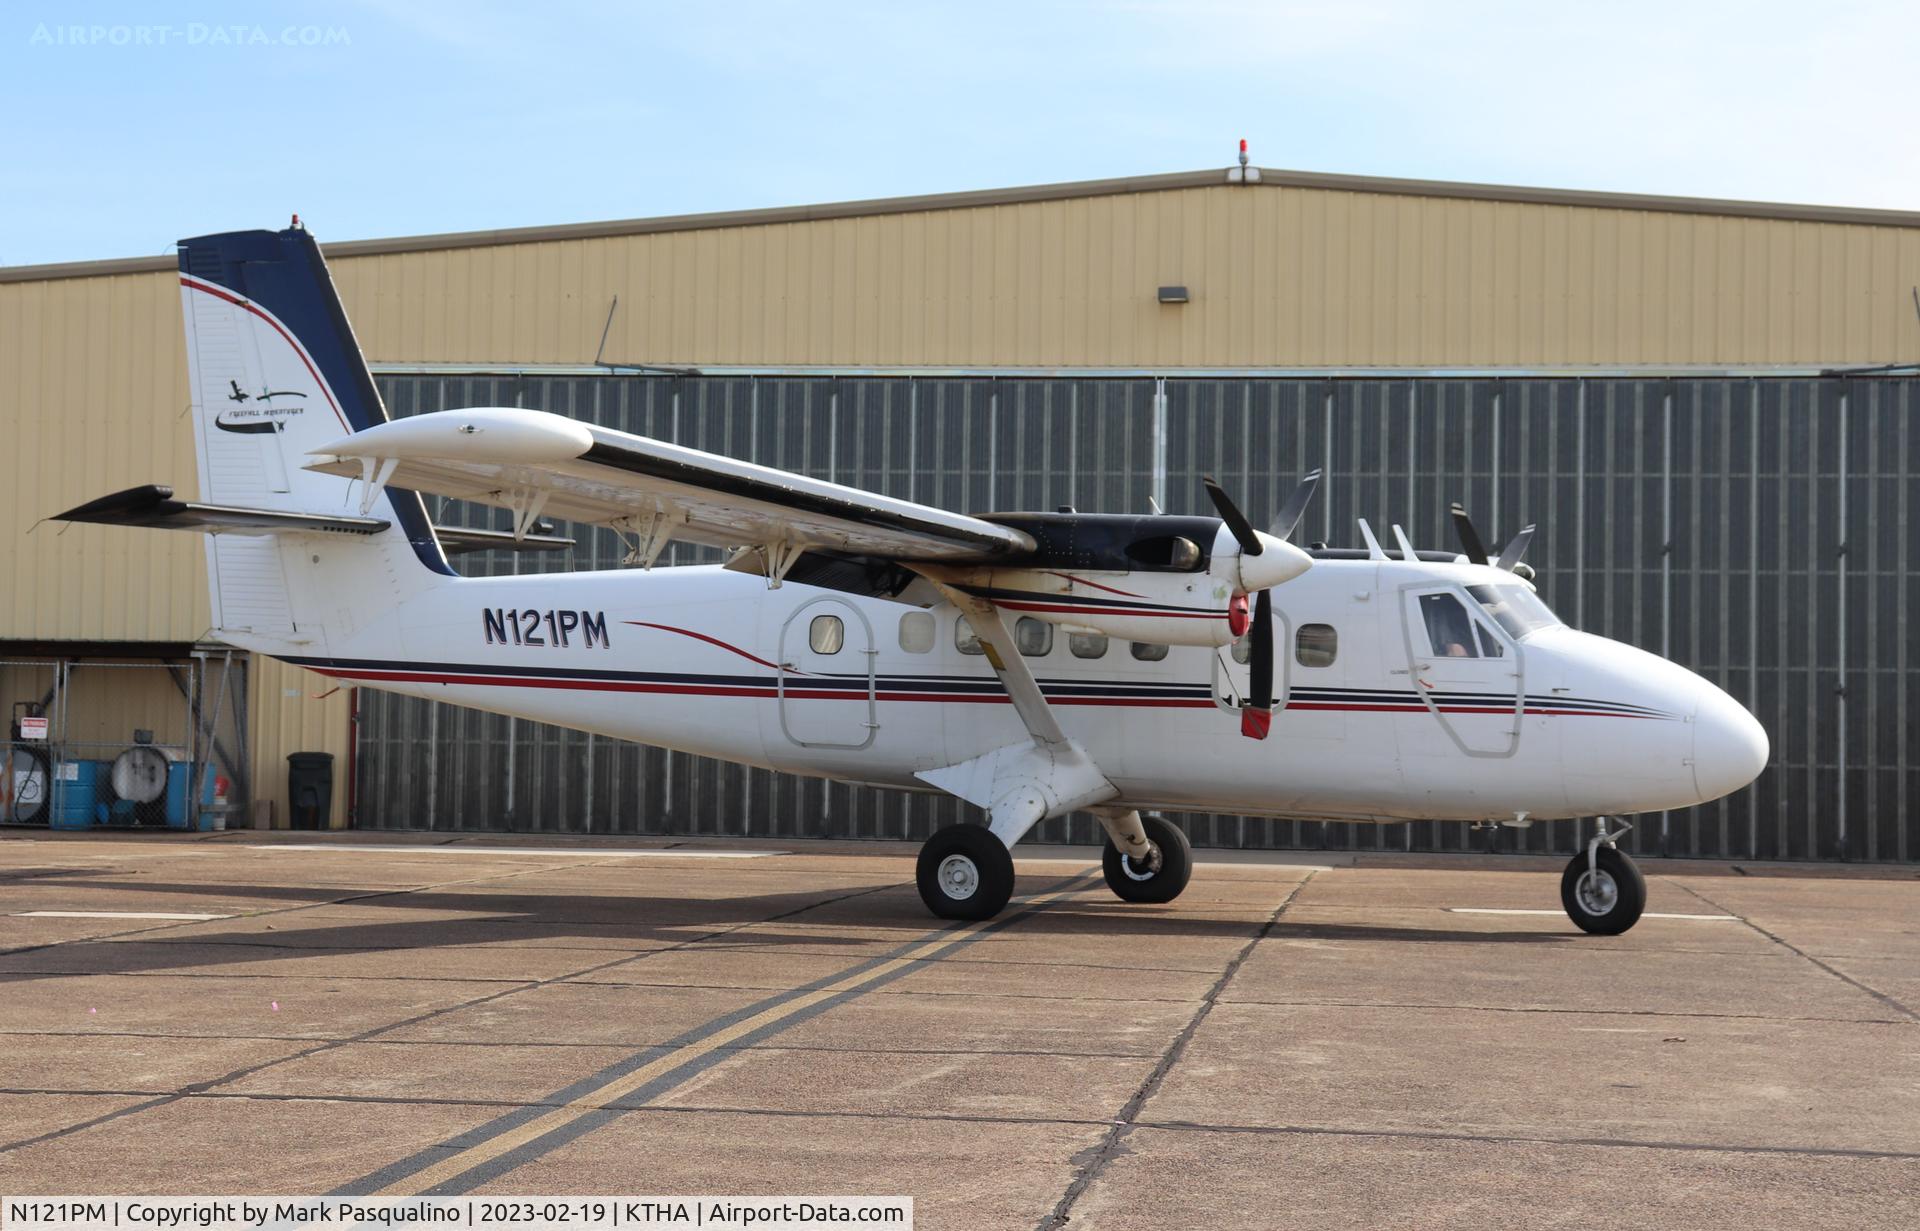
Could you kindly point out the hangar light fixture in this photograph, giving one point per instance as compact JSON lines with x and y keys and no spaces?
{"x":1173,"y":294}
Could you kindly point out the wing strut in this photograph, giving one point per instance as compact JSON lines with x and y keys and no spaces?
{"x":1026,"y":782}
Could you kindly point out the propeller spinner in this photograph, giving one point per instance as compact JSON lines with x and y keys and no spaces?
{"x":1266,"y":560}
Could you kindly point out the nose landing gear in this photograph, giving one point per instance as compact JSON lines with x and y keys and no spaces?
{"x":1157,"y":861}
{"x":1602,"y":889}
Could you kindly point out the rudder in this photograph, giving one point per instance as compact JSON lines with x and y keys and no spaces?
{"x":275,"y":371}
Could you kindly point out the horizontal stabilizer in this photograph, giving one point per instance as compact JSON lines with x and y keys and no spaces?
{"x":154,"y":507}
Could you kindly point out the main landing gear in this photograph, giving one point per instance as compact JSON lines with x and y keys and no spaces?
{"x":966,"y":871}
{"x":1602,"y":888}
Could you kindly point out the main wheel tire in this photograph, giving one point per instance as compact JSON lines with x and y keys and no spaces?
{"x":1162,"y":875}
{"x":1605,"y":899}
{"x":965,"y":873}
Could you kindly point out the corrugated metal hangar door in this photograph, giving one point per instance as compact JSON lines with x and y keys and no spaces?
{"x":1757,"y":530}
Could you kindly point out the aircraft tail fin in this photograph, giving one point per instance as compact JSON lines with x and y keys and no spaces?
{"x":275,"y":371}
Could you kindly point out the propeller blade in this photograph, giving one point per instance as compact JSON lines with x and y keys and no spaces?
{"x":1470,"y":543}
{"x":1236,"y":520}
{"x":1510,"y":557}
{"x":1257,"y":718}
{"x":1290,"y":513}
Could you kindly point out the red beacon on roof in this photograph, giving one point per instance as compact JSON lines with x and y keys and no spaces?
{"x":1243,"y":174}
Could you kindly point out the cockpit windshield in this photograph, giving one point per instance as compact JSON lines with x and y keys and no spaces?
{"x":1514,"y":607}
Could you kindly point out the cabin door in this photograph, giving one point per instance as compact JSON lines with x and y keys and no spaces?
{"x":1467,"y":673}
{"x":826,"y":676}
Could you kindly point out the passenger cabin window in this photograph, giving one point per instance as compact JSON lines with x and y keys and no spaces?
{"x":826,"y":634}
{"x":1316,"y":645}
{"x":1172,"y":552}
{"x":965,"y":639}
{"x":916,"y":632}
{"x":1449,"y":630}
{"x":1087,"y":645}
{"x":1034,"y":637}
{"x":1148,"y":652}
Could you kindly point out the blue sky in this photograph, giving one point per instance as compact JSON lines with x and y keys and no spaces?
{"x":400,"y":117}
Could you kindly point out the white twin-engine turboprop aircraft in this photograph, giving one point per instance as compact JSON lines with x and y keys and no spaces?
{"x":1032,"y":664}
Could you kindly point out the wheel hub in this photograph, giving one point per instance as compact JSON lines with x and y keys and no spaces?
{"x":1596,"y":891}
{"x":1145,"y":868}
{"x":959,"y":877}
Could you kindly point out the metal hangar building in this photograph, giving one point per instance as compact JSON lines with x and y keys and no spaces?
{"x":1707,"y":406}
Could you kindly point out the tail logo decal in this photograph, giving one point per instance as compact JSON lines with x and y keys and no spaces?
{"x":256,"y":421}
{"x":265,"y":395}
{"x":207,"y":288}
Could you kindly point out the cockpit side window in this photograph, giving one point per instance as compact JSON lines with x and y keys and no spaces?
{"x":1449,"y":628}
{"x":1514,"y":608}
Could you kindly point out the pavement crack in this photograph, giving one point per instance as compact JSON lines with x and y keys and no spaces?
{"x":1790,"y":947}
{"x":1609,"y":1143}
{"x":1572,"y":1012}
{"x":1095,"y":1161}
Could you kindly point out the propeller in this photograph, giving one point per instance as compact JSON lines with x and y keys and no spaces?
{"x":1237,"y":523}
{"x":1470,"y":543}
{"x":1476,"y":551}
{"x":1256,"y":719}
{"x":1511,"y":553}
{"x":1288,"y":518}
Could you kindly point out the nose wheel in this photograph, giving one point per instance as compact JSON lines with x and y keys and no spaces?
{"x":1160,"y":873}
{"x":1602,"y":889}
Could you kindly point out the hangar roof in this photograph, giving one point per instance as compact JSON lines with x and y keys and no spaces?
{"x":880,"y":206}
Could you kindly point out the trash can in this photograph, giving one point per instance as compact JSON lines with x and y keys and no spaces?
{"x":309,"y":789}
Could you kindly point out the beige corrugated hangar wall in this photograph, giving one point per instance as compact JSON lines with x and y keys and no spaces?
{"x":1296,"y":274}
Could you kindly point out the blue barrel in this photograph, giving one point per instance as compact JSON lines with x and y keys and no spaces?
{"x":179,"y":815}
{"x":76,"y":794}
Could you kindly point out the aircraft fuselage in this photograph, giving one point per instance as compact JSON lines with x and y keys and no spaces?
{"x":1373,"y":721}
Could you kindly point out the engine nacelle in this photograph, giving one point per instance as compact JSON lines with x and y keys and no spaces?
{"x":1161,"y":608}
{"x":1152,"y":579}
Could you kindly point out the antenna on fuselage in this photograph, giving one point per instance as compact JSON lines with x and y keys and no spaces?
{"x":1406,"y":548}
{"x":1373,"y":544}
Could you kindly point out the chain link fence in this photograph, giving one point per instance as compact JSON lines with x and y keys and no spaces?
{"x":130,"y":744}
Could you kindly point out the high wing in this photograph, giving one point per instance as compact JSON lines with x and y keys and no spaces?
{"x":541,"y":464}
